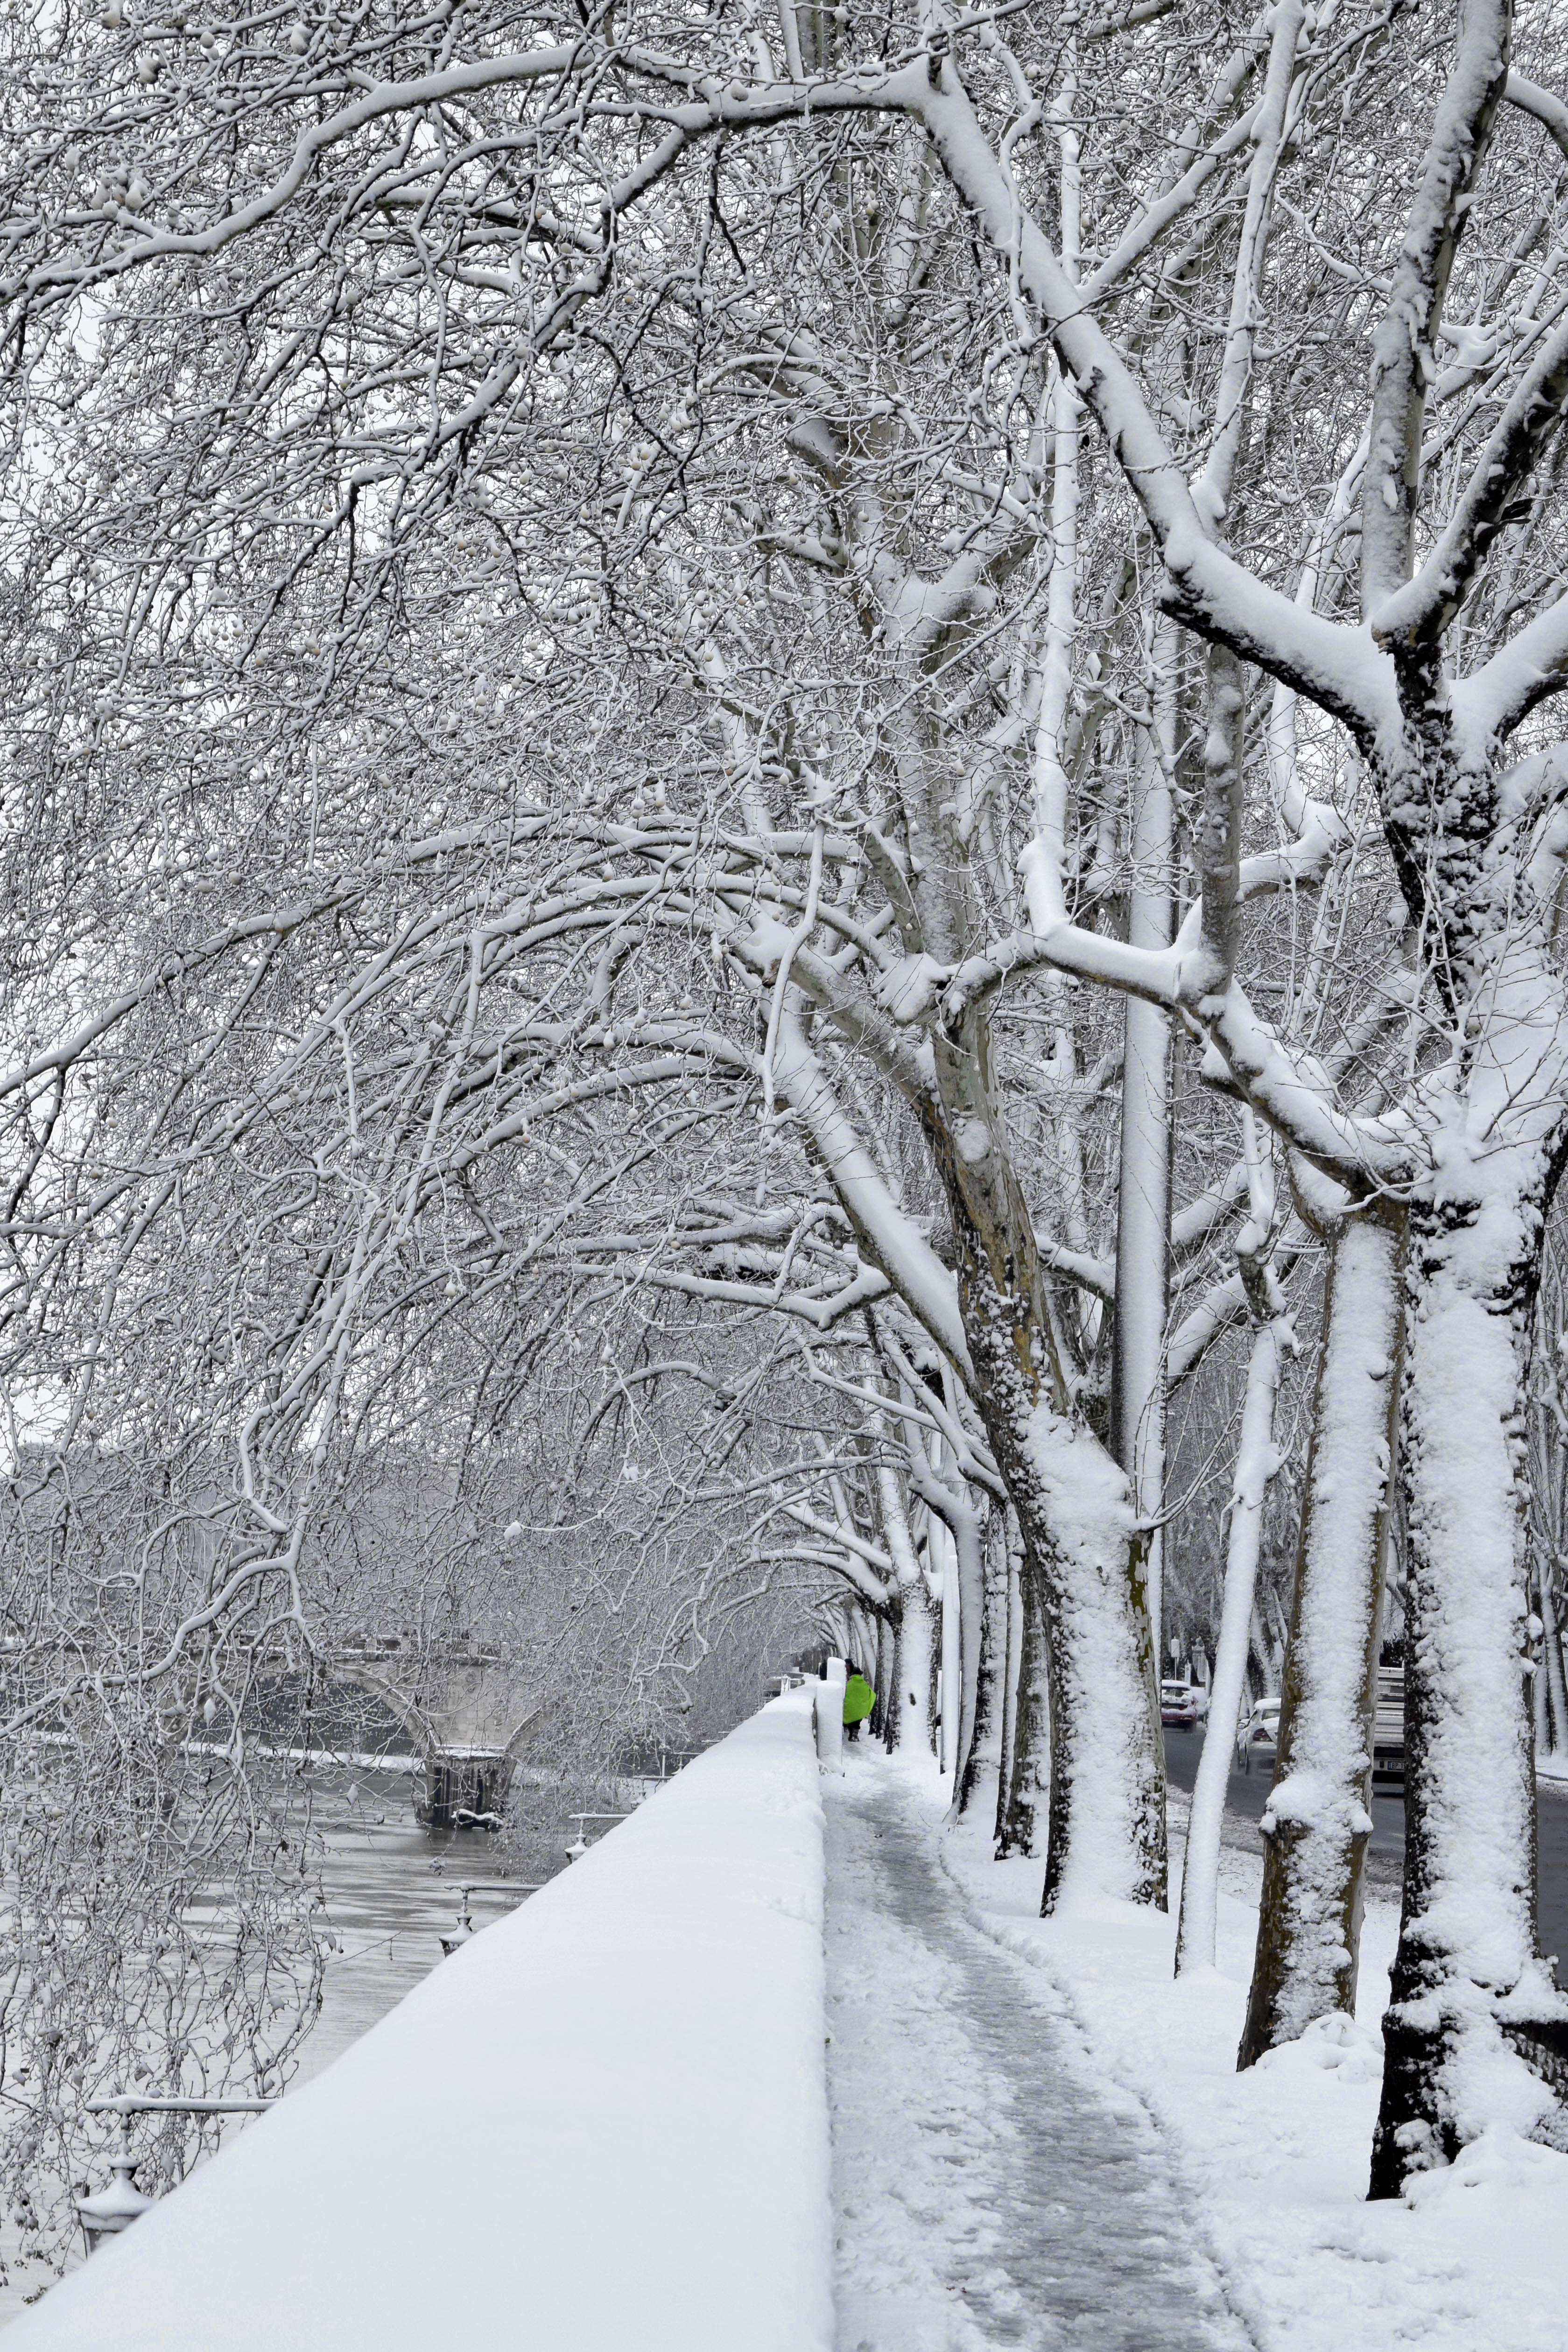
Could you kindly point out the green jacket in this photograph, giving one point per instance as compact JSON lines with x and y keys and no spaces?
{"x":859,"y":1699}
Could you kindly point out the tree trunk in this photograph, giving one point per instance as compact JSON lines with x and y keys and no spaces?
{"x":1318,"y":1821}
{"x":1552,"y":1643}
{"x":1011,"y":1668}
{"x":1144,"y":1197}
{"x":861,"y":1642}
{"x":877,"y":1721}
{"x":1084,"y":1557}
{"x":1020,"y":1821}
{"x":981,"y":1779}
{"x":969,"y":1572}
{"x":1085,"y":1563}
{"x":1468,"y":1983}
{"x":909,"y":1714}
{"x":1261,"y":1652}
{"x":944,"y":1555}
{"x":1255,"y":1465}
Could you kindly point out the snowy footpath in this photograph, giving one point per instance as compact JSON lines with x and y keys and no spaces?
{"x":1039,"y":2139}
{"x":990,"y":2190}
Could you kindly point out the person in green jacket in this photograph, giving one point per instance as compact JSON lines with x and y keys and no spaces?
{"x":859,"y":1700}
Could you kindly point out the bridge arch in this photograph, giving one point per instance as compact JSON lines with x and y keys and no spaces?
{"x":462,"y":1709}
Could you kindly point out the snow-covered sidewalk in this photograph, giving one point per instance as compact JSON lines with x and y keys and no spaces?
{"x":1040,"y":2139}
{"x":990,"y":2191}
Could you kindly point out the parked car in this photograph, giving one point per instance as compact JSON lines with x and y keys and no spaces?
{"x":1388,"y":1729}
{"x":1181,"y":1704}
{"x":1259,"y":1738}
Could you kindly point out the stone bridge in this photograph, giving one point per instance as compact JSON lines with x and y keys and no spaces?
{"x":465,"y":1710}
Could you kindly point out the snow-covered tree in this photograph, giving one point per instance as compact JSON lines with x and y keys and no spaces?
{"x":1123,"y":362}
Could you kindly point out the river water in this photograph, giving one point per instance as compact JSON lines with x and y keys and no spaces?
{"x":391,"y":1888}
{"x":391,"y":1891}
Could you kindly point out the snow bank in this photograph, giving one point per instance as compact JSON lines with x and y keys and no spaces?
{"x":603,"y":2124}
{"x":1274,"y":2162}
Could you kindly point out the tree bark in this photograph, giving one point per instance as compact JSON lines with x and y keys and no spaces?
{"x":1468,"y":1982}
{"x":1021,"y":1819}
{"x":1012,"y":1669}
{"x":909,"y":1719}
{"x":1144,"y":1197}
{"x":969,"y":1574}
{"x":981,"y":1779}
{"x":1556,"y":1690}
{"x":877,"y":1723}
{"x":1084,"y":1553}
{"x":1318,"y":1820}
{"x":944,"y":1555}
{"x":893,"y":1706}
{"x":1255,"y":1464}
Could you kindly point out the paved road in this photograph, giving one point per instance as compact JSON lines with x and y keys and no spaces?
{"x":1248,"y":1792}
{"x":988,"y":2190}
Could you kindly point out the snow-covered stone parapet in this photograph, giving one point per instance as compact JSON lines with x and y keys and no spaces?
{"x":603,"y":2124}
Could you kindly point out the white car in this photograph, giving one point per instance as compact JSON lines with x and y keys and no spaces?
{"x":1182,"y":1703}
{"x":1259,"y":1735}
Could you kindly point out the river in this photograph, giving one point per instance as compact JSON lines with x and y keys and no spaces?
{"x":391,"y":1890}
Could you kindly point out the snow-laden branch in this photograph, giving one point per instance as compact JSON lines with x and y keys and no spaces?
{"x":1339,"y":669}
{"x":1402,"y":348}
{"x":1212,"y":489}
{"x":1546,"y":107}
{"x":386,"y":99}
{"x":888,"y":1236}
{"x":1423,"y":607}
{"x":1257,"y":1460}
{"x":1491,"y":703}
{"x":1295,"y":1099}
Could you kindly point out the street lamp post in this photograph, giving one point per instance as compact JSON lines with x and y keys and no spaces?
{"x":579,"y":1846}
{"x":115,"y":2208}
{"x":466,"y":1931}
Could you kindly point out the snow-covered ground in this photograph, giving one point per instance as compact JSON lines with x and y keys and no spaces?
{"x":601,"y":2126}
{"x":943,"y":2249}
{"x":989,"y":2189}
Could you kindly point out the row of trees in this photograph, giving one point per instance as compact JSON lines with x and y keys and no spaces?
{"x":869,"y":696}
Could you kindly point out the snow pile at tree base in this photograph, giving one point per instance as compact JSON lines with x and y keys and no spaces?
{"x":1276,"y":2161}
{"x":603,"y":2124}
